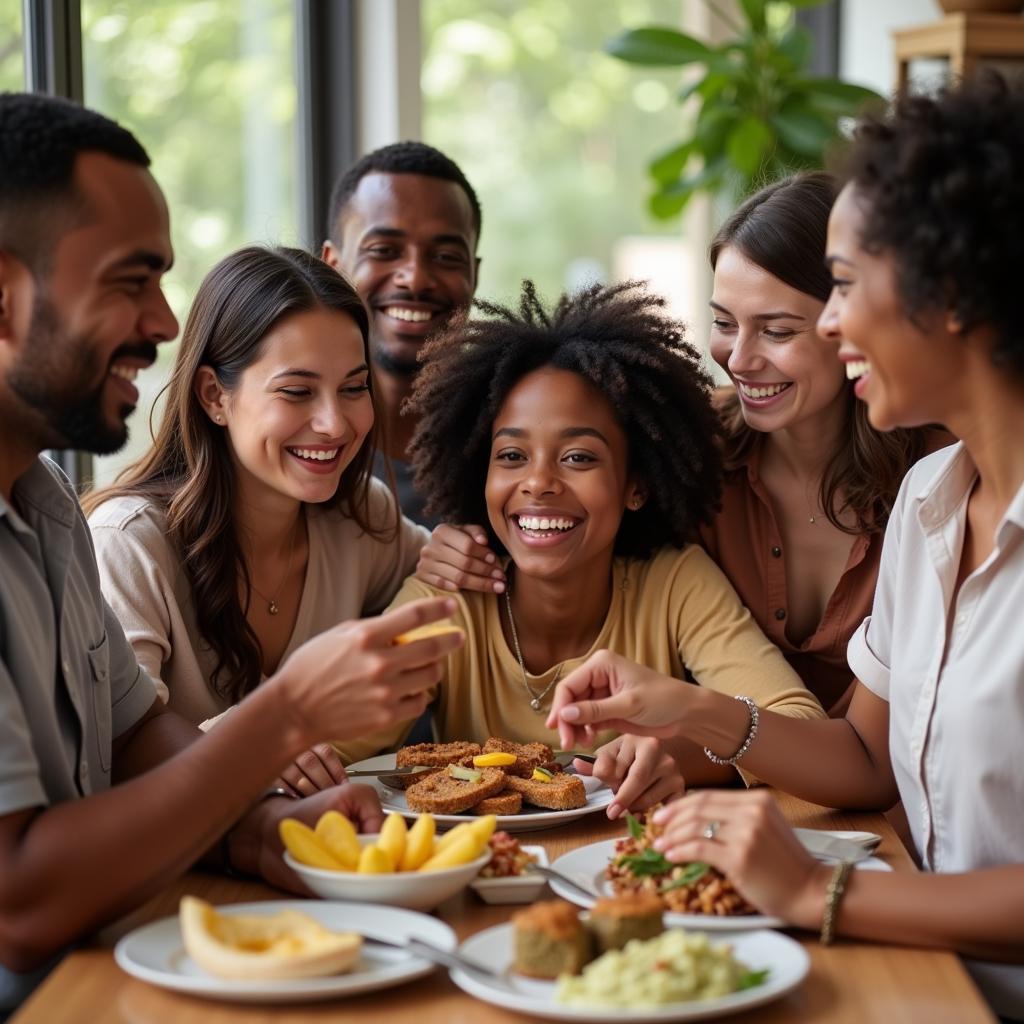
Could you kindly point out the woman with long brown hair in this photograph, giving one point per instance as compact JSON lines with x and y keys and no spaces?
{"x":254,"y":523}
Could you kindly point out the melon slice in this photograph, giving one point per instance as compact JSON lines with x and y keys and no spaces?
{"x":284,"y":945}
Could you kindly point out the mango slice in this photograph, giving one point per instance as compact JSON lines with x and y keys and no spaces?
{"x":419,"y":844}
{"x":431,"y":629}
{"x":392,"y":838}
{"x":306,"y":846}
{"x":498,"y":759}
{"x":375,"y":861}
{"x":338,"y":834}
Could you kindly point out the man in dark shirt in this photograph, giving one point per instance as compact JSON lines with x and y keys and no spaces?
{"x":403,"y":227}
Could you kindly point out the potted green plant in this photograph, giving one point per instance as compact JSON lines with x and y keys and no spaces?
{"x":759,"y":113}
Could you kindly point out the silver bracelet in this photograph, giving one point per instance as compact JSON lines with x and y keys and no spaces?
{"x":751,"y":733}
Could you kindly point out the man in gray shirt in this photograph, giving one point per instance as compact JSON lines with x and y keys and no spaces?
{"x":105,"y":795}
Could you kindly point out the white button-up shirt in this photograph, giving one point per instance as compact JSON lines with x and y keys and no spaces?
{"x":953,"y":674}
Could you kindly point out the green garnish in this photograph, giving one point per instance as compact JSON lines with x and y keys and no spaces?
{"x":691,"y":873}
{"x":636,"y":830}
{"x":646,"y":862}
{"x":751,"y":979}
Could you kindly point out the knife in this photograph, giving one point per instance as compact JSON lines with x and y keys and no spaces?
{"x":374,"y":773}
{"x":824,"y":846}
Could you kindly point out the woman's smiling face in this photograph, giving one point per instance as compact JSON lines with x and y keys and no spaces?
{"x":764,"y":335}
{"x":558,"y":482}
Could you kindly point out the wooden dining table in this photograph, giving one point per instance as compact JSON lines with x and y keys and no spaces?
{"x":849,"y":982}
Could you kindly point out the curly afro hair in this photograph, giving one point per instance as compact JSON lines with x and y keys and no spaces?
{"x":943,"y":180}
{"x":619,"y":339}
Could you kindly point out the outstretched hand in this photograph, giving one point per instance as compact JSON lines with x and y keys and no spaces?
{"x":638,"y":770}
{"x":609,"y":691}
{"x":458,"y":558}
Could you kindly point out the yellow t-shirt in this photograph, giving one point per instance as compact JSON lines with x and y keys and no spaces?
{"x":674,"y":612}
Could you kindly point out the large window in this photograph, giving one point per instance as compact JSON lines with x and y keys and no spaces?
{"x":210,"y":90}
{"x":12,"y":57}
{"x":554,"y":135}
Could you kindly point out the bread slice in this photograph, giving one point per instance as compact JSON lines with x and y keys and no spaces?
{"x":506,"y":802}
{"x":528,"y":755}
{"x":435,"y":754}
{"x":441,"y":794}
{"x":563,"y":793}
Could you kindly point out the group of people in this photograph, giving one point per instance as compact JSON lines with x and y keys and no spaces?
{"x":804,"y":579}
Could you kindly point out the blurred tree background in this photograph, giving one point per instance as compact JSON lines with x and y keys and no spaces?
{"x":553,"y":133}
{"x":12,"y":62}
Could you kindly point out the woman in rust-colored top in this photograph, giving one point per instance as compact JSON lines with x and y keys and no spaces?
{"x":809,"y":483}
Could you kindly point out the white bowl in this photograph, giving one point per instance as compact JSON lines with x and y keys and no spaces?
{"x":415,"y":890}
{"x":523,"y":888}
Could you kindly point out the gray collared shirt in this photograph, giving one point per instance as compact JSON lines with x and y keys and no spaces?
{"x":69,"y":681}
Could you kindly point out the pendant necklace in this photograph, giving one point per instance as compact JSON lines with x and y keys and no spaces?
{"x":536,"y":699}
{"x":272,"y":606}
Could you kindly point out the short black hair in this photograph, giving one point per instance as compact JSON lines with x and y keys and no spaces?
{"x":943,"y":182}
{"x":40,"y":140}
{"x":399,"y":158}
{"x":617,"y":338}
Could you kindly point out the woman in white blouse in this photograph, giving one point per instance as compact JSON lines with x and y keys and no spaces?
{"x":925,"y":247}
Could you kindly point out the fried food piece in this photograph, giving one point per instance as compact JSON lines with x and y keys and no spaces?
{"x":441,"y":794}
{"x":613,"y":922}
{"x":506,"y":802}
{"x":562,"y":793}
{"x":435,"y":754}
{"x":528,"y":755}
{"x":549,"y":939}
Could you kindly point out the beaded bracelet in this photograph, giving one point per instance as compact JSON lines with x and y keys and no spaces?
{"x":751,"y":733}
{"x":833,"y":897}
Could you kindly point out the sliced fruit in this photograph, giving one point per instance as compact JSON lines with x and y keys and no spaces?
{"x":392,"y":838}
{"x":499,"y":759}
{"x":306,"y":846}
{"x":452,"y":836}
{"x":457,"y":771}
{"x":419,"y":844}
{"x":339,"y":835}
{"x":431,"y":629}
{"x":483,"y":828}
{"x":287,"y":944}
{"x":541,"y":774}
{"x":375,"y":861}
{"x":462,"y":851}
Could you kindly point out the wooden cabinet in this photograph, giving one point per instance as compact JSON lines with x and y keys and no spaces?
{"x":963,"y":42}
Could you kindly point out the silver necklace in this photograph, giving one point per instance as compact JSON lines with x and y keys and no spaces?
{"x":536,"y":699}
{"x":272,"y":606}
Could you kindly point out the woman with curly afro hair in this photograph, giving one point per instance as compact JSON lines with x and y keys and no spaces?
{"x":585,"y":439}
{"x":924,"y":246}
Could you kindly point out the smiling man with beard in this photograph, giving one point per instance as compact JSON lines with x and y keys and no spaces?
{"x":105,"y":793}
{"x":403,"y":227}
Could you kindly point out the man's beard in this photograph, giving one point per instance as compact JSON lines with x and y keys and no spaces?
{"x":394,"y":366}
{"x":50,"y":376}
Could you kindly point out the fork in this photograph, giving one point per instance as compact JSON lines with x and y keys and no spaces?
{"x":436,"y":955}
{"x":556,"y":876}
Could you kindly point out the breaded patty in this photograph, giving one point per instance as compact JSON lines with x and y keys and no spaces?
{"x":562,"y":793}
{"x":435,"y":754}
{"x":441,"y":794}
{"x":506,"y":802}
{"x":528,"y":755}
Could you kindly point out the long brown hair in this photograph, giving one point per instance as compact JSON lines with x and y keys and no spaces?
{"x":783,"y":230}
{"x":188,"y":472}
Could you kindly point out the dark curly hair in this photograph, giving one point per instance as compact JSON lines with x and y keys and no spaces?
{"x":620,"y":341}
{"x":942,"y":179}
{"x":398,"y":158}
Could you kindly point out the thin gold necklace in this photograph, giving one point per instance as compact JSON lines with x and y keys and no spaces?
{"x":536,"y":699}
{"x":272,"y":606}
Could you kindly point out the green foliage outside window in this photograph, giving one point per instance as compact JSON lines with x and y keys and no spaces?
{"x":12,"y":61}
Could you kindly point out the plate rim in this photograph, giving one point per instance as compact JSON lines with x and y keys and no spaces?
{"x":283,"y":990}
{"x":508,"y":822}
{"x":705,"y":1009}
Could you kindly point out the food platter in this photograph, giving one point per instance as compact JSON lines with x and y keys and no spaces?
{"x":156,"y":953}
{"x":785,"y":959}
{"x":599,"y":796}
{"x":586,"y":865}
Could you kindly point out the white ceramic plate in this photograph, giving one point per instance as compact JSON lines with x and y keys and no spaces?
{"x":586,"y":865}
{"x":155,"y":953}
{"x":786,"y":960}
{"x":599,"y":796}
{"x":523,"y":888}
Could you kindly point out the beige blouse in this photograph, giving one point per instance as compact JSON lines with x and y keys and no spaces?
{"x":349,"y":575}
